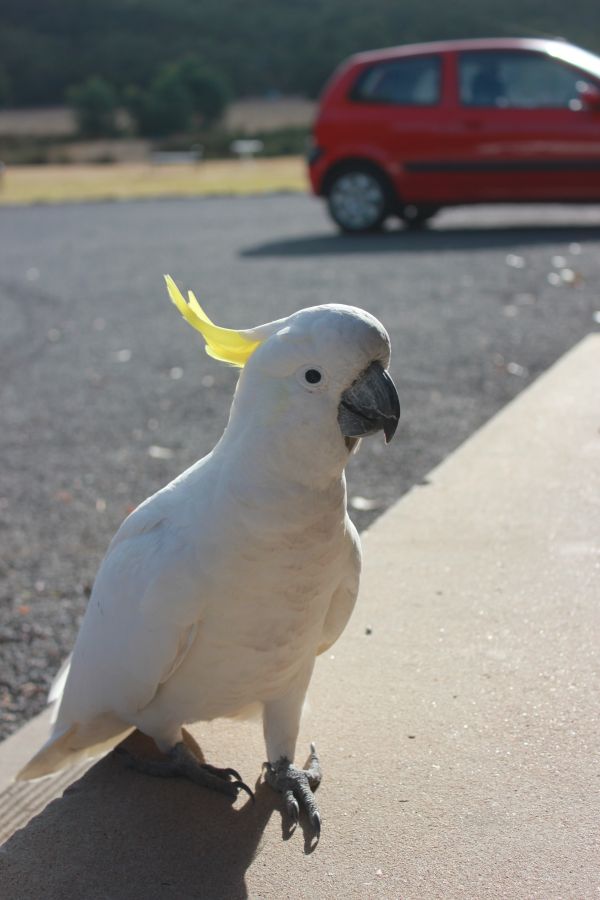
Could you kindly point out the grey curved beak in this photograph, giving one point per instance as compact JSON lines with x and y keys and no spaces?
{"x":369,"y":405}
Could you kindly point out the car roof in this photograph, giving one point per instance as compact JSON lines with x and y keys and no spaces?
{"x":554,"y":47}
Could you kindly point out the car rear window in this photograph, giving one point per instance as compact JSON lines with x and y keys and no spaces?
{"x":414,"y":81}
{"x":518,"y":80}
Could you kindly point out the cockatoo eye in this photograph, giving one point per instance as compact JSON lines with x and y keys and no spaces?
{"x":311,"y":377}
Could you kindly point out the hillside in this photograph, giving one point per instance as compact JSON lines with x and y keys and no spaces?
{"x":260,"y":47}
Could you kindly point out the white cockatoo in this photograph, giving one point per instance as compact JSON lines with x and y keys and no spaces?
{"x":218,"y":592}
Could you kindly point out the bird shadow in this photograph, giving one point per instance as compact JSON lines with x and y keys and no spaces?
{"x":118,"y":833}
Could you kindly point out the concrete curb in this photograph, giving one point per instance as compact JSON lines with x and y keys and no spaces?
{"x":456,"y":718}
{"x":16,"y":748}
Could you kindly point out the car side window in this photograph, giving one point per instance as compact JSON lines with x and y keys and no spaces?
{"x":414,"y":81}
{"x":518,"y":80}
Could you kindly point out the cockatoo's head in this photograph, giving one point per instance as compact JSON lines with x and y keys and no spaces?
{"x":322,"y":370}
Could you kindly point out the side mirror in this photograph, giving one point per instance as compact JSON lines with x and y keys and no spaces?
{"x":589,"y":97}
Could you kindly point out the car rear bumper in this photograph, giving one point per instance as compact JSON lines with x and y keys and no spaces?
{"x":315,"y":159}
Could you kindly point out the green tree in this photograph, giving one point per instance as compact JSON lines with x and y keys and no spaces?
{"x":178,"y":93}
{"x":5,"y":91}
{"x":46,"y":45}
{"x":209,"y":90}
{"x":165,"y":108}
{"x":95,"y":105}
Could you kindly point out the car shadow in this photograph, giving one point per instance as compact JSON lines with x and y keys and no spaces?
{"x":425,"y":241}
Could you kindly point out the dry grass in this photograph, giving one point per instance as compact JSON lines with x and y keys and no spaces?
{"x":59,"y":184}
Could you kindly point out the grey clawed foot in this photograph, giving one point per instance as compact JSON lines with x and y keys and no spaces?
{"x":181,"y":762}
{"x":297,"y":786}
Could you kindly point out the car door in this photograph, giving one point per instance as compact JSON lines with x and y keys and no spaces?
{"x":399,"y":106}
{"x":523,"y":131}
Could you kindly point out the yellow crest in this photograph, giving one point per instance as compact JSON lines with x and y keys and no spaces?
{"x":233,"y":347}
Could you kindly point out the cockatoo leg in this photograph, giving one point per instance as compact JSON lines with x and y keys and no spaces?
{"x":182,"y":763}
{"x":281,"y":722}
{"x":297,"y":786}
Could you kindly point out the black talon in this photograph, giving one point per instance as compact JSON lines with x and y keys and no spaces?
{"x":244,"y":787}
{"x":292,"y":807}
{"x":223,"y":773}
{"x":316,"y":824}
{"x":234,"y":774}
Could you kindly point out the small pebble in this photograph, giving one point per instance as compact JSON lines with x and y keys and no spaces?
{"x":157,"y":452}
{"x":363,"y":503}
{"x":515,"y":369}
{"x":514,"y":261}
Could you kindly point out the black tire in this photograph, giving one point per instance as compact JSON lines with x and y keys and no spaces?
{"x":415,"y":217}
{"x":358,"y":199}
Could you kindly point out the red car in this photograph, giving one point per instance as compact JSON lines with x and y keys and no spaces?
{"x":408,"y":130}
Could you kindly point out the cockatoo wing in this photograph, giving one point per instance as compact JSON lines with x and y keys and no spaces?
{"x":150,"y":591}
{"x":142,"y":618}
{"x":344,"y":598}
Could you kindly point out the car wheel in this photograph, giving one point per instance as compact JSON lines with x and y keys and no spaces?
{"x":358,"y":200}
{"x":415,"y":217}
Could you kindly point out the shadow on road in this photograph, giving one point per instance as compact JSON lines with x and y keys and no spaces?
{"x":427,"y":241}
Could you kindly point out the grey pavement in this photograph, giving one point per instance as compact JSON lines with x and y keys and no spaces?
{"x":456,"y":717}
{"x":105,"y":394}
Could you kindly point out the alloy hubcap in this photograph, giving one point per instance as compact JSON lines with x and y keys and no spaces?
{"x":357,"y":200}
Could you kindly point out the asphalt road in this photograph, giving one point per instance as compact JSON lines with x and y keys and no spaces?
{"x":105,"y":394}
